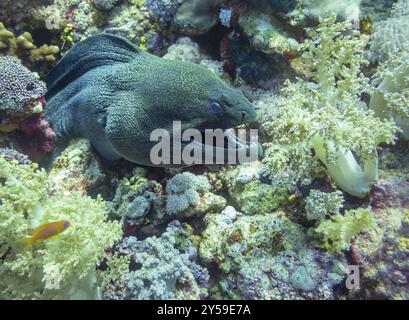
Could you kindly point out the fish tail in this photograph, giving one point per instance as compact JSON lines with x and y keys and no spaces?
{"x":26,"y":242}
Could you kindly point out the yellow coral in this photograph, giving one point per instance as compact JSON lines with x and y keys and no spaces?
{"x":23,"y":45}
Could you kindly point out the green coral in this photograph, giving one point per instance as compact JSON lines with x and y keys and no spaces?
{"x":68,"y":260}
{"x":336,"y":233}
{"x":251,"y":195}
{"x":327,"y":115}
{"x":318,"y":204}
{"x":230,"y":238}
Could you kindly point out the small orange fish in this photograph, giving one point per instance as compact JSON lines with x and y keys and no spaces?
{"x":44,"y":232}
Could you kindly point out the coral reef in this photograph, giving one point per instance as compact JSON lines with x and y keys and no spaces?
{"x":11,"y":154}
{"x":105,"y":4}
{"x":188,"y":194}
{"x":347,"y":9}
{"x":59,"y":268}
{"x":144,"y":203}
{"x":265,"y":257}
{"x":36,"y":138}
{"x":266,"y":34}
{"x":23,"y":13}
{"x":76,"y":169}
{"x":184,"y":49}
{"x":383,"y":252}
{"x":326,"y":114}
{"x":329,"y":81}
{"x":162,"y":271}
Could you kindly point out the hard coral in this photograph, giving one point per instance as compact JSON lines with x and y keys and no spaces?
{"x":265,"y":257}
{"x":24,"y":47}
{"x":189,"y":194}
{"x":162,"y":271}
{"x":20,"y":93}
{"x":163,"y":9}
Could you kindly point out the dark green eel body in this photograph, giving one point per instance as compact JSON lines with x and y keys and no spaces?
{"x":109,"y":91}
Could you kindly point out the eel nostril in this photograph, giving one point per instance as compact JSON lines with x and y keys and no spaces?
{"x":244,"y":114}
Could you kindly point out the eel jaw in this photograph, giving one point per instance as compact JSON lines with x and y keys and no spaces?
{"x":232,"y":144}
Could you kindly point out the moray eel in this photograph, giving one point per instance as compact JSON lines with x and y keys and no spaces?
{"x":109,"y":91}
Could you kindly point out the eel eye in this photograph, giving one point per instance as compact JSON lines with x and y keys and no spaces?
{"x":215,"y":107}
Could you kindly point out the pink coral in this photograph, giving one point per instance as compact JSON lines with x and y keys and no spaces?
{"x":37,"y":138}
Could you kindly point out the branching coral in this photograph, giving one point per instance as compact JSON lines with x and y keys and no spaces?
{"x":327,"y":115}
{"x":67,"y":261}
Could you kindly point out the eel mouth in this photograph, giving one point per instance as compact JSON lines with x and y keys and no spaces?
{"x":232,"y":149}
